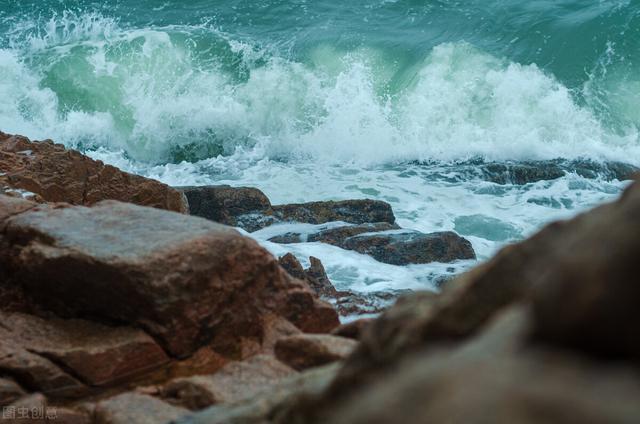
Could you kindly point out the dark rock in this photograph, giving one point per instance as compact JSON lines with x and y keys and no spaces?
{"x":243,"y":207}
{"x":334,"y":236}
{"x":350,"y":303}
{"x":234,"y":382}
{"x":54,"y":174}
{"x":10,"y":391}
{"x":315,"y":275}
{"x":351,"y":211}
{"x":312,"y":350}
{"x":187,"y":281}
{"x":412,"y":247}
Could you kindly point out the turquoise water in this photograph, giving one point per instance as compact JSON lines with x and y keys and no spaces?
{"x":316,"y":100}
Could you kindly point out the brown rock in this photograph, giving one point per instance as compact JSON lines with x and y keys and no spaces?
{"x":60,"y":175}
{"x":234,"y":382}
{"x":236,"y":206}
{"x":187,"y":281}
{"x":411,"y":247}
{"x":292,"y":265}
{"x":354,"y":329}
{"x":352,"y":211}
{"x":68,"y":416}
{"x":29,"y":409}
{"x":97,"y":354}
{"x":480,"y":384}
{"x":135,"y":408}
{"x":311,"y":350}
{"x":264,"y":406}
{"x":10,"y":391}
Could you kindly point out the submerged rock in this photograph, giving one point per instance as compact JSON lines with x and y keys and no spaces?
{"x":45,"y":171}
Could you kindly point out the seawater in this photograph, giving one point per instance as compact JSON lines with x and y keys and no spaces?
{"x":320,"y":100}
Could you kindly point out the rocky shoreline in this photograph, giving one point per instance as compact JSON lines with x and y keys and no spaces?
{"x":125,"y":301}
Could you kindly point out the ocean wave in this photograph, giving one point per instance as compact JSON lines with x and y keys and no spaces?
{"x":167,"y":94}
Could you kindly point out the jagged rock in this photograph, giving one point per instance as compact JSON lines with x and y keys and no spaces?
{"x":228,"y":205}
{"x":10,"y":391}
{"x":96,"y":354}
{"x":186,"y":280}
{"x":234,"y":382}
{"x":135,"y":408}
{"x":412,"y":247}
{"x":250,"y":209}
{"x":264,"y":406}
{"x":315,"y":275}
{"x":55,"y":174}
{"x":292,"y":265}
{"x":354,"y":329}
{"x":312,"y":350}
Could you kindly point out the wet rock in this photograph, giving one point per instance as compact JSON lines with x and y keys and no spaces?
{"x":250,"y":209}
{"x":412,"y":247}
{"x":315,"y":275}
{"x":135,"y":408}
{"x":266,"y":405}
{"x":334,"y":236}
{"x":47,"y":171}
{"x":352,"y":211}
{"x":236,"y":206}
{"x":10,"y":391}
{"x":354,"y":329}
{"x":234,"y":382}
{"x":305,"y":351}
{"x":185,"y":280}
{"x":350,"y":303}
{"x":96,"y":354}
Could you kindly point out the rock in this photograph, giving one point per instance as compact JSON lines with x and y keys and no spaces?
{"x":352,"y":211}
{"x":588,"y":294}
{"x":334,"y":236}
{"x":264,"y":406}
{"x":135,"y":408}
{"x":68,"y":416}
{"x":96,"y":354}
{"x":234,"y":382}
{"x":228,"y":205}
{"x":250,"y":209}
{"x":350,"y":303}
{"x":10,"y":391}
{"x":412,"y":247}
{"x":187,"y":281}
{"x":29,"y":409}
{"x":354,"y":329}
{"x":305,"y":351}
{"x":315,"y":275}
{"x":56,"y":174}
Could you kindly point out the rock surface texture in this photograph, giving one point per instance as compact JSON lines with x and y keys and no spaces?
{"x":45,"y":171}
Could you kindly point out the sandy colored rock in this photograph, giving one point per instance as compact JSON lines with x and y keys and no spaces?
{"x":135,"y":408}
{"x":234,"y":382}
{"x":185,"y":280}
{"x":10,"y":391}
{"x":57,"y":174}
{"x":305,"y":351}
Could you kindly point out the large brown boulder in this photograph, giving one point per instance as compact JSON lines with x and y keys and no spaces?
{"x":185,"y":280}
{"x":136,"y":408}
{"x":56,"y":174}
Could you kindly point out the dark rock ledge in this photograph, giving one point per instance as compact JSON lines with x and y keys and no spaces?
{"x":370,"y":225}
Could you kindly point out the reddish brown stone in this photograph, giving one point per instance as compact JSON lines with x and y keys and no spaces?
{"x":234,"y":382}
{"x":56,"y":174}
{"x":136,"y":408}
